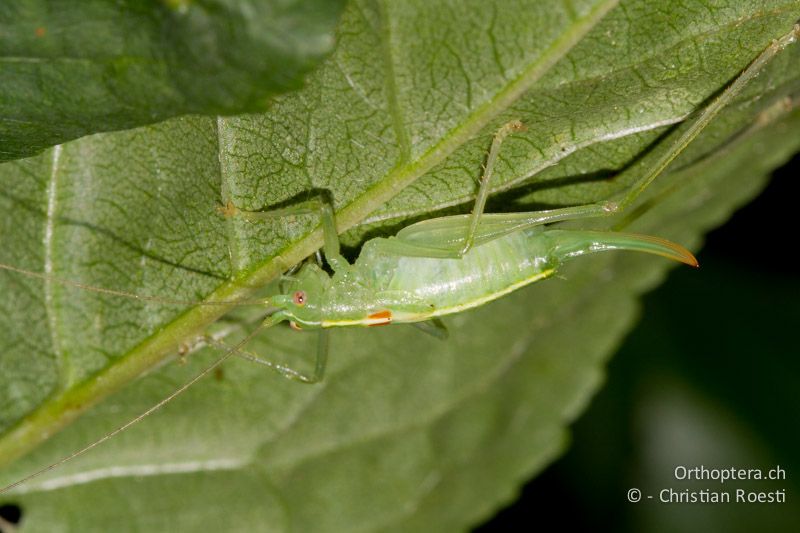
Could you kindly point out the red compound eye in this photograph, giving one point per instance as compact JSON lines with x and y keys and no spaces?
{"x":299,"y":298}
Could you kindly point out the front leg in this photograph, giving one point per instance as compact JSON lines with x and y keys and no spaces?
{"x":321,"y":204}
{"x":285,"y":371}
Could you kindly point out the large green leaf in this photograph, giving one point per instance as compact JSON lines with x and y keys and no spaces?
{"x":406,"y":432}
{"x":71,"y":68}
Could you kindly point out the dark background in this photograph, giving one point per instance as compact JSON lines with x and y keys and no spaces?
{"x":710,"y":376}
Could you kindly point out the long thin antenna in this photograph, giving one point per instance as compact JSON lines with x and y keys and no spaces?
{"x":126,"y":294}
{"x":264,"y":325}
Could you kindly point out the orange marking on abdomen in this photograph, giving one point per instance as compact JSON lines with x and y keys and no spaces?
{"x":385,"y":317}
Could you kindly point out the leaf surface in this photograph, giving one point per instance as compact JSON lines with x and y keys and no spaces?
{"x":75,"y":68}
{"x":406,"y":432}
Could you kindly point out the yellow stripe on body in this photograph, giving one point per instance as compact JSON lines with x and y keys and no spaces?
{"x":405,"y":318}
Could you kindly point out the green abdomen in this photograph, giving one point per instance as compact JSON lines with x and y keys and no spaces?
{"x":421,"y":287}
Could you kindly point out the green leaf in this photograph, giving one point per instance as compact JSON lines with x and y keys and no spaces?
{"x":84,"y":67}
{"x":407,"y":432}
